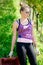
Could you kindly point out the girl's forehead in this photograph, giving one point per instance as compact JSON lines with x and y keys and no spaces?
{"x":27,"y":9}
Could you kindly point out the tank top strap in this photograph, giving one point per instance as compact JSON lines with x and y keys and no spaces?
{"x":29,"y":21}
{"x":18,"y":21}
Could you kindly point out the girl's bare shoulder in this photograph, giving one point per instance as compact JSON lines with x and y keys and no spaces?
{"x":15,"y":24}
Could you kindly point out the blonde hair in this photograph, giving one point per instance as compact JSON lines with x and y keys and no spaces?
{"x":24,"y":6}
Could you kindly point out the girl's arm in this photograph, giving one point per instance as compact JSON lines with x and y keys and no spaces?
{"x":35,"y":41}
{"x":33,"y":36}
{"x":15,"y":26}
{"x":14,"y":35}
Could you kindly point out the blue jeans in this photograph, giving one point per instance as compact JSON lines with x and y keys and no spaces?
{"x":22,"y":50}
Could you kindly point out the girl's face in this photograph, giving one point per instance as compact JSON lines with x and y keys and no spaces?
{"x":25,"y":13}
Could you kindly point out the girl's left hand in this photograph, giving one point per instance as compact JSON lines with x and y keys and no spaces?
{"x":37,"y":51}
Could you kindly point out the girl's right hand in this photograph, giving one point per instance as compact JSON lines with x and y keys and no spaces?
{"x":10,"y":54}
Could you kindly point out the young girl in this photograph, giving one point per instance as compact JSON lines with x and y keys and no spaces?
{"x":25,"y":38}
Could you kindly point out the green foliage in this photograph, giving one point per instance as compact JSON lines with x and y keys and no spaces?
{"x":38,"y":6}
{"x":8,"y":13}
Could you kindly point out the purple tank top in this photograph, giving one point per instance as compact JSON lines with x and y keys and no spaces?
{"x":25,"y":31}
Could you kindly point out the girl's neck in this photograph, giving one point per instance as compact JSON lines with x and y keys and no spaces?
{"x":23,"y":19}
